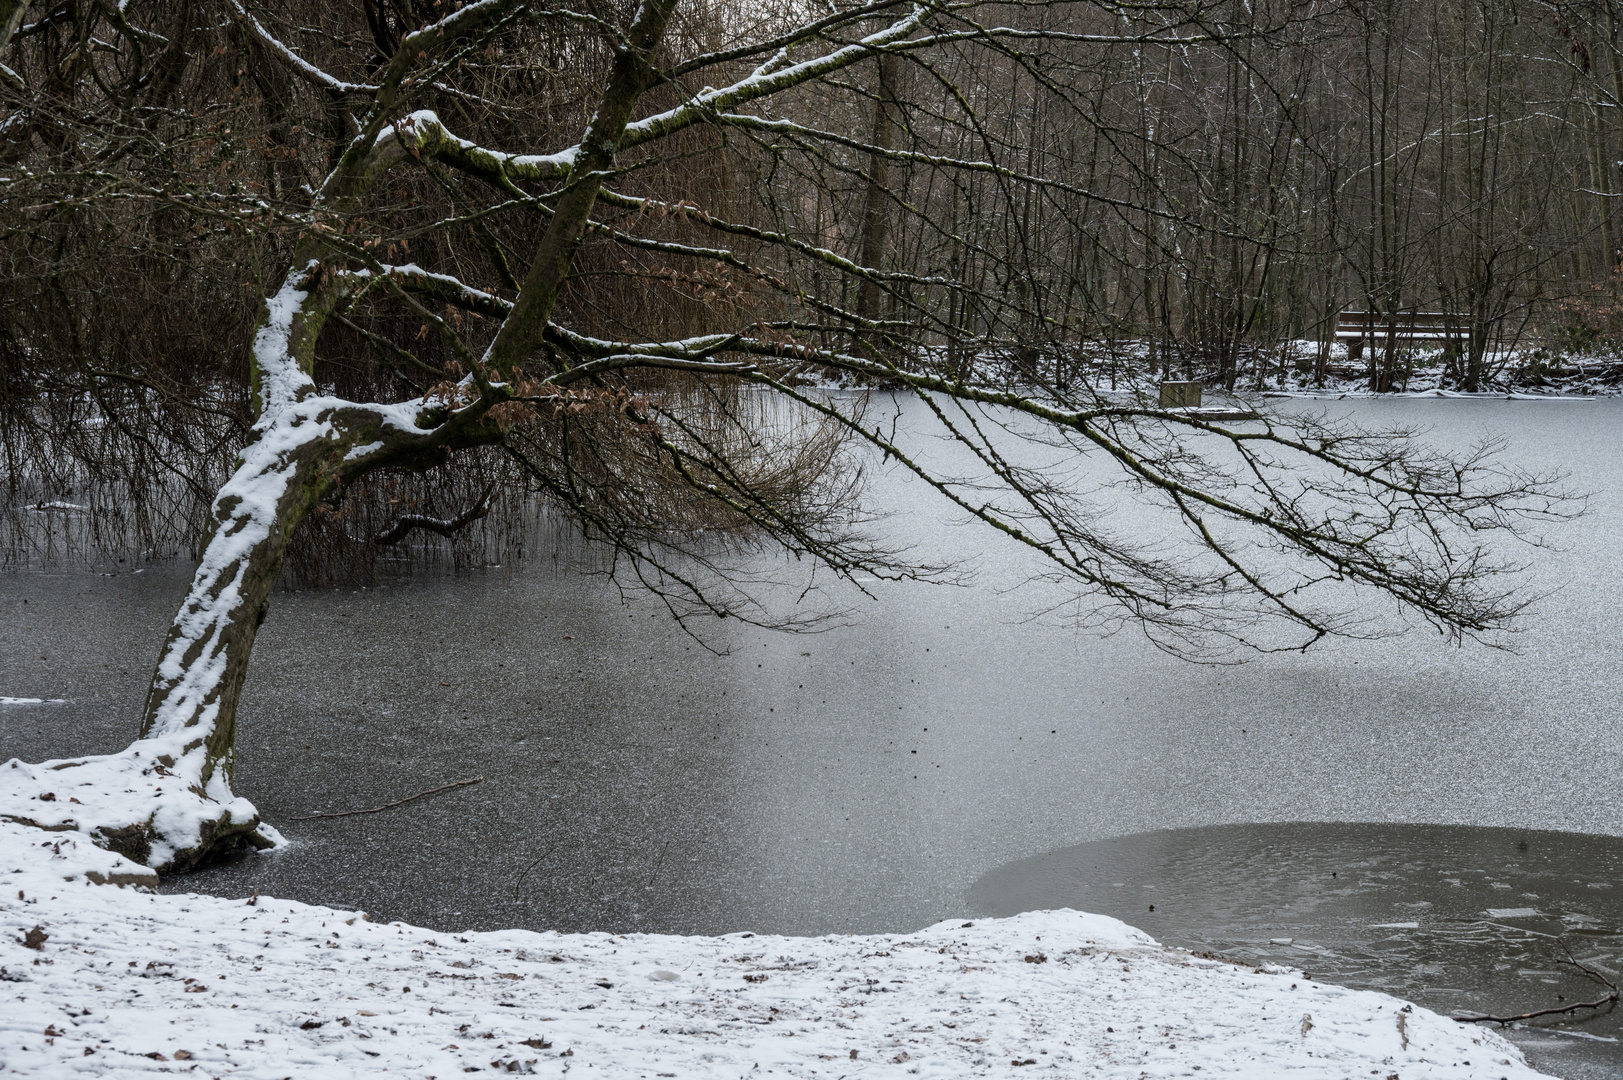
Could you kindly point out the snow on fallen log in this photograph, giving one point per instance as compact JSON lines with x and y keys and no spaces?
{"x":120,"y":981}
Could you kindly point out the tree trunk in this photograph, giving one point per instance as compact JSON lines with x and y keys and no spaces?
{"x":876,"y":200}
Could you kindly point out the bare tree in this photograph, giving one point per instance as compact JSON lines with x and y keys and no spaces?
{"x":749,"y":201}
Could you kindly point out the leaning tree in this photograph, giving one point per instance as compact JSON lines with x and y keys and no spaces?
{"x":733,"y":203}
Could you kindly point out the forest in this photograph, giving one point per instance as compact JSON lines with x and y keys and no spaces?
{"x":1209,"y":181}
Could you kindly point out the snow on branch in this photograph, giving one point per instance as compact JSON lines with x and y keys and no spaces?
{"x":443,"y":526}
{"x":279,"y":379}
{"x":445,"y":287}
{"x":764,"y":83}
{"x":298,"y":64}
{"x":423,"y":133}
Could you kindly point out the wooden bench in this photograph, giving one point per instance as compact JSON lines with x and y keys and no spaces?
{"x":1354,"y":328}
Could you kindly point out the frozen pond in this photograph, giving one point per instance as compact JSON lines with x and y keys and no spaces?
{"x":858,"y":780}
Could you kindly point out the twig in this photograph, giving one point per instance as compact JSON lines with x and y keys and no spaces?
{"x":658,"y":863}
{"x":1599,"y":1002}
{"x":532,"y":866}
{"x":407,"y":522}
{"x":391,"y":806}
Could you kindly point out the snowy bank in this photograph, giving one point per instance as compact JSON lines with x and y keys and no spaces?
{"x":125,"y":982}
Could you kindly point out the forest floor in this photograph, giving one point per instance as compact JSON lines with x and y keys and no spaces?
{"x":1126,"y":368}
{"x":1523,"y":373}
{"x":103,"y":980}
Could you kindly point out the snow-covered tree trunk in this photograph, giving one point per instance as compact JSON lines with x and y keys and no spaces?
{"x":304,"y":446}
{"x":166,"y":801}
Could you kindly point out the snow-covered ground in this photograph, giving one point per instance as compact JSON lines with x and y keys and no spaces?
{"x":104,"y":980}
{"x":1124,"y":370}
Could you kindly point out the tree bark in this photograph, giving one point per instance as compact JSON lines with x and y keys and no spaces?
{"x":876,"y":198}
{"x":632,"y":74}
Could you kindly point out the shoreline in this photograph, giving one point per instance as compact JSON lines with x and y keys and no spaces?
{"x":129,"y":982}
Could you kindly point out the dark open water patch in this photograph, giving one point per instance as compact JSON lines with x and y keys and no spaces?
{"x":1456,"y":918}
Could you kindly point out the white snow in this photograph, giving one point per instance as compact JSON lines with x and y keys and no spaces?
{"x":282,"y":382}
{"x":310,"y":71}
{"x":74,"y":801}
{"x":417,"y":126}
{"x":167,"y":784}
{"x":128,"y":983}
